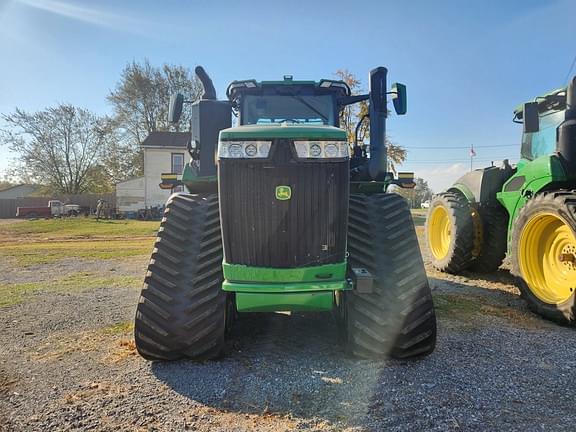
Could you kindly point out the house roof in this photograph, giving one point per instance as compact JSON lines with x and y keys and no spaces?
{"x":19,"y":186}
{"x":166,"y":139}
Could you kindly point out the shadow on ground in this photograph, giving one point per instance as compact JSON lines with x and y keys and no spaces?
{"x":282,"y":364}
{"x":296,"y":366}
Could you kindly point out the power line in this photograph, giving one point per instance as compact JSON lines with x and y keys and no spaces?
{"x":461,"y":147}
{"x":437,"y":162}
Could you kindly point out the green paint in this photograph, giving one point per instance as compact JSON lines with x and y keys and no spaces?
{"x":294,"y":131}
{"x":538,"y":174}
{"x":315,"y":274}
{"x":279,"y":288}
{"x":464,"y":190}
{"x":283,"y":193}
{"x":297,"y":302}
{"x":196,"y":184}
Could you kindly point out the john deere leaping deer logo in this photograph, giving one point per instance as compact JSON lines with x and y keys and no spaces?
{"x":283,"y":193}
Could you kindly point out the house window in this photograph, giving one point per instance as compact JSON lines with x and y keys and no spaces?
{"x":177,"y":167}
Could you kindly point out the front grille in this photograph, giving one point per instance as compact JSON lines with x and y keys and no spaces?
{"x":307,"y":230}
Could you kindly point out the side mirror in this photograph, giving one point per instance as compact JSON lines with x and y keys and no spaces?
{"x":531,"y":119}
{"x":175,"y":108}
{"x":399,"y":98}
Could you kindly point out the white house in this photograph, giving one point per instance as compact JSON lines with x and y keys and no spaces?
{"x":164,"y":152}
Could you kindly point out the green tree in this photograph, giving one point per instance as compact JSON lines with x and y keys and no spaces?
{"x":352,"y":114}
{"x":418,"y":195}
{"x":140,"y":102}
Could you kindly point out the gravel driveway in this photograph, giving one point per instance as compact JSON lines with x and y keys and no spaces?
{"x":67,"y":362}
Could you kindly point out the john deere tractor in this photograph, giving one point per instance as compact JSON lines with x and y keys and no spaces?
{"x":283,"y":214}
{"x":528,"y":211}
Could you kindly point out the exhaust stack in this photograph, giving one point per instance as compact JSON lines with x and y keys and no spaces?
{"x":378,"y":164}
{"x":209,"y":91}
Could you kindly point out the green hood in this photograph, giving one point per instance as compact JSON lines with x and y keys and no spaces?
{"x":316,"y":132}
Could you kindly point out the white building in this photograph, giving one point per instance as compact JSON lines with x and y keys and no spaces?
{"x":164,"y":152}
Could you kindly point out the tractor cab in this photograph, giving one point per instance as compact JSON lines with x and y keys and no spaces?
{"x":539,"y":135}
{"x":287,"y":102}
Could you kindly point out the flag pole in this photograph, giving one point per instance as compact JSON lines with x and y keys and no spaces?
{"x":472,"y":154}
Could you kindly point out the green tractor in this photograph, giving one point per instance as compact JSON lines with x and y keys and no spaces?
{"x":528,"y":211}
{"x":283,"y":214}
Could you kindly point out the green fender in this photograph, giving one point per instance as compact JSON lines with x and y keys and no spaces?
{"x":530,"y":178}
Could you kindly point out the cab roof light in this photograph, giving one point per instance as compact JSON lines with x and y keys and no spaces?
{"x":339,"y":84}
{"x":240,"y":84}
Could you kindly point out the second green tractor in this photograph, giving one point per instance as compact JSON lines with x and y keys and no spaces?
{"x":527,"y":211}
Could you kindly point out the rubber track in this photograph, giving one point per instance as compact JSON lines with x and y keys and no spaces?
{"x":495,"y":239}
{"x":459,"y":257}
{"x":398,"y":318}
{"x":181,"y":311}
{"x":563,"y":203}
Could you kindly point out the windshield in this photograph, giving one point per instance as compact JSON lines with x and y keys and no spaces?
{"x":289,"y":108}
{"x":543,"y":142}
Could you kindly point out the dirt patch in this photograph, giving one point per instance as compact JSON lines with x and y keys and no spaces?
{"x":467,"y":309}
{"x":11,"y":221}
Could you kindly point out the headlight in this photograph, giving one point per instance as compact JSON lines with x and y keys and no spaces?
{"x":321,"y":149}
{"x":251,"y":150}
{"x":243,"y":149}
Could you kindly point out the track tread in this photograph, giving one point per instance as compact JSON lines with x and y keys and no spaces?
{"x":181,"y":312}
{"x":398,"y":318}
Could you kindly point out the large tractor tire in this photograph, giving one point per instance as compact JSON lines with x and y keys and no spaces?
{"x":182,"y":308}
{"x":544,"y":255}
{"x":450,"y":232}
{"x":397,"y":318}
{"x":494,"y":237}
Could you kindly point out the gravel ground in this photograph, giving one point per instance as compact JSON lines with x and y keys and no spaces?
{"x":67,"y":362}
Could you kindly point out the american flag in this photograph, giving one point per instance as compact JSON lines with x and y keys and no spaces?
{"x":472,"y":152}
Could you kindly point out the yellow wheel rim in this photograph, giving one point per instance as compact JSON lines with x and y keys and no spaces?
{"x":547,"y":258}
{"x":439,"y":232}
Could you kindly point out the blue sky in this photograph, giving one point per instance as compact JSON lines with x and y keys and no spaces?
{"x":467,"y":64}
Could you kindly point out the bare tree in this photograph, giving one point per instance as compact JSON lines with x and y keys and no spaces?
{"x":58,"y":147}
{"x":352,"y":114}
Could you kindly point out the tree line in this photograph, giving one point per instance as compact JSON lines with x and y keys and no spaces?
{"x":71,"y":150}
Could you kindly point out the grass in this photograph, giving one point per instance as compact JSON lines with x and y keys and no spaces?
{"x":119,"y":328}
{"x":77,"y":228}
{"x":33,"y":253}
{"x":15,"y":293}
{"x":47,"y":241}
{"x":32,"y":243}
